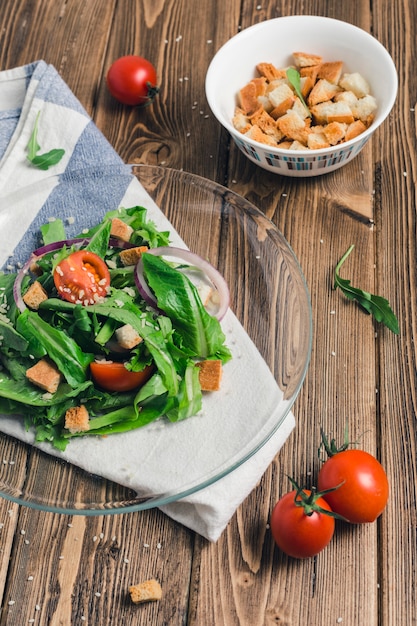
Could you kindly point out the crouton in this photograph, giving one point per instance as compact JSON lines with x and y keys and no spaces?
{"x":331,"y":71}
{"x":297,"y":145}
{"x":326,"y":112}
{"x":302,"y":110}
{"x":131,"y":256}
{"x":120,"y":229}
{"x":364,"y":108}
{"x":77,"y":419}
{"x":147,"y":591}
{"x":248,"y":96}
{"x":260,"y":85}
{"x":281,"y":98}
{"x":335,"y":132}
{"x":302,"y":59}
{"x":44,"y":375}
{"x":323,"y":91}
{"x":267,"y":124}
{"x":269,"y":71}
{"x":317,"y":140}
{"x":293,"y":126}
{"x":241,"y":121}
{"x":35,"y":295}
{"x":210,"y":374}
{"x":310,"y":72}
{"x":286,"y":144}
{"x":257,"y":134}
{"x":306,"y":85}
{"x":353,"y":130}
{"x":346,"y":96}
{"x":355,"y":82}
{"x":127,"y":337}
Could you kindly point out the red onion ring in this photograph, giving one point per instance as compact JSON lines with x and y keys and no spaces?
{"x":191,"y":258}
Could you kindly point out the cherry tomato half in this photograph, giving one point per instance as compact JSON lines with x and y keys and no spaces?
{"x":82,"y":278}
{"x":364,"y":489}
{"x":298,"y":533}
{"x":115,"y":377}
{"x":132,"y":80}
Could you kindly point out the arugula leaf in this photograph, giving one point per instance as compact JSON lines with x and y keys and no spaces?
{"x":293,"y":77}
{"x":374,"y":305}
{"x":46,"y":160}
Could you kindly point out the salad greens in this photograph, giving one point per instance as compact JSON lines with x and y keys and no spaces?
{"x":72,"y":336}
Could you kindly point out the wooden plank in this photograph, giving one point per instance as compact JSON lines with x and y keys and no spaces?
{"x":75,"y":570}
{"x":395,"y":156}
{"x":72,"y":36}
{"x":178,"y":130}
{"x":320,"y":219}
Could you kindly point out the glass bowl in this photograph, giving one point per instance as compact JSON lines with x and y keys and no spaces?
{"x":268,"y":299}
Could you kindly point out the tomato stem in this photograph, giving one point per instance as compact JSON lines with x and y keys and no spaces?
{"x":309,"y":500}
{"x":331,"y":447}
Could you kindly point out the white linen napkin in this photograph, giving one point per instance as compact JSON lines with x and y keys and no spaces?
{"x":161,"y":459}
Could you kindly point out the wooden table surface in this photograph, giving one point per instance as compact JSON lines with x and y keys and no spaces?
{"x":61,"y":570}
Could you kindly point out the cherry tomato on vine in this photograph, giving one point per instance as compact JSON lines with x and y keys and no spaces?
{"x":132,"y":80}
{"x":302,"y":523}
{"x":113,"y":376}
{"x":82,"y":278}
{"x":363,"y":484}
{"x":363,"y":491}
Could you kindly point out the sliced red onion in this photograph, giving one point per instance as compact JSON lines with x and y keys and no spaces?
{"x":190,"y":258}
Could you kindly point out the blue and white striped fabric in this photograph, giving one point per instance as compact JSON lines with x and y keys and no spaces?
{"x":90,"y":168}
{"x":90,"y":165}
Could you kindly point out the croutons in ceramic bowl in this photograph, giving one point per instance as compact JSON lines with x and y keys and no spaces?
{"x":347,"y":80}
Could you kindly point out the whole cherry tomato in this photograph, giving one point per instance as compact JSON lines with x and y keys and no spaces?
{"x":132,"y":80}
{"x":82,"y":278}
{"x":362,"y":484}
{"x":302,"y":523}
{"x":113,"y":376}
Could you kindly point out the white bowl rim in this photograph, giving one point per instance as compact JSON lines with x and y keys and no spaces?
{"x":307,"y":151}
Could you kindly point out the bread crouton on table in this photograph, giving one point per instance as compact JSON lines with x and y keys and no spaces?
{"x":146,"y":591}
{"x":77,"y":419}
{"x":271,"y":110}
{"x":210,"y":374}
{"x":45,"y":375}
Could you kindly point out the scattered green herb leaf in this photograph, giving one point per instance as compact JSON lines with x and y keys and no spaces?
{"x":374,"y":305}
{"x":294,"y":78}
{"x":46,"y":160}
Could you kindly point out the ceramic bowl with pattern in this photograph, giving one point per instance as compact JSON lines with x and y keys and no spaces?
{"x":274,"y":41}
